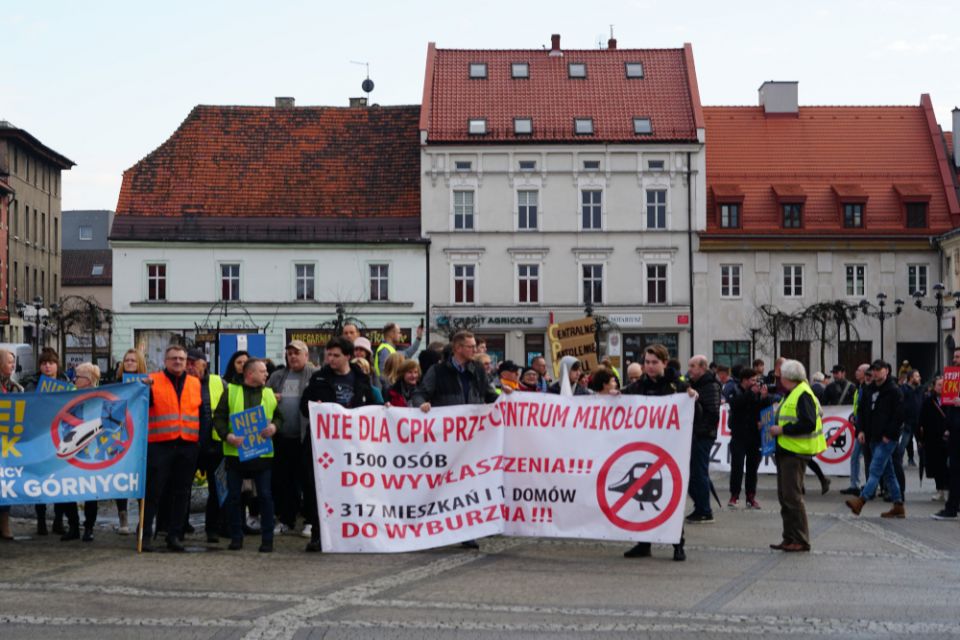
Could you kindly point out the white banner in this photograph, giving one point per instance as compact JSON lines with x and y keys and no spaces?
{"x":602,"y":467}
{"x":835,"y":461}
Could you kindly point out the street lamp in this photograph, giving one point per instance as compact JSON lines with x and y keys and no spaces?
{"x":879,"y":312}
{"x":936,"y":309}
{"x":35,"y":312}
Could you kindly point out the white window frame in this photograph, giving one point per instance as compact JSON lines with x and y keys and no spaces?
{"x":477,"y":126}
{"x":666,"y":207}
{"x":794,"y":271}
{"x":147,"y":277}
{"x":453,"y":283}
{"x":734,"y":281}
{"x":370,"y":279}
{"x":520,"y":205}
{"x":220,"y":278}
{"x":297,"y":278}
{"x":666,"y":283}
{"x":577,"y":75}
{"x":453,"y":209}
{"x":603,"y":281}
{"x":918,"y":269}
{"x":518,"y":279}
{"x":857,"y":293}
{"x":520,"y":70}
{"x":89,"y":235}
{"x":580,"y":205}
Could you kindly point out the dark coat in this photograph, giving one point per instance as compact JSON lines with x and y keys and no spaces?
{"x":881,"y":412}
{"x":745,"y":408}
{"x":707,"y":416}
{"x":933,"y":424}
{"x":442,"y":387}
{"x":839,"y":392}
{"x":320,"y":389}
{"x":667,"y":384}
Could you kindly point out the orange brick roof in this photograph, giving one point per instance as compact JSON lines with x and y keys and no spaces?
{"x":880,"y":153}
{"x":667,"y":94}
{"x":264,"y":162}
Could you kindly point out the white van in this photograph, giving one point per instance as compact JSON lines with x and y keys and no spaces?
{"x":26,"y":363}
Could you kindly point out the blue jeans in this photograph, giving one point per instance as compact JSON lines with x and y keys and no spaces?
{"x":264,"y":495}
{"x":880,"y":466}
{"x":855,"y":464}
{"x":699,"y":487}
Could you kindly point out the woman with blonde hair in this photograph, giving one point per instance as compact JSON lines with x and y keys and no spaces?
{"x":391,"y":370}
{"x":405,"y":383}
{"x":132,"y":362}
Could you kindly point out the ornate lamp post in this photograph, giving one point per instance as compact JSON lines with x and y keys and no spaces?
{"x":936,"y":309}
{"x":35,"y":312}
{"x":879,"y":312}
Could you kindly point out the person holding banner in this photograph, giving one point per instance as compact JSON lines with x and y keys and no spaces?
{"x":931,"y":439}
{"x":211,"y":450}
{"x":8,"y":364}
{"x":86,"y":376}
{"x":237,"y":399}
{"x":748,"y":399}
{"x":344,"y":383}
{"x":657,"y":380}
{"x":173,"y":434}
{"x":799,"y":433}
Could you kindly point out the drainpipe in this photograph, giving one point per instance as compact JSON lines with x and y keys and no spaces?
{"x":426,"y":320}
{"x":690,"y":249}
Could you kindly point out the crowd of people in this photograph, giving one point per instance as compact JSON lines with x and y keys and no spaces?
{"x":190,"y":431}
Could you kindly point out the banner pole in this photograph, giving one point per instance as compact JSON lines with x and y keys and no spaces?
{"x":140,"y":528}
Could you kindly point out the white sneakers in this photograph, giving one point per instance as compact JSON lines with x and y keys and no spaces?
{"x":938,"y":497}
{"x":307,"y":531}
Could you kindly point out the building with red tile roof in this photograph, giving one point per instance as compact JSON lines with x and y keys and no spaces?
{"x":551,"y":177}
{"x":807,"y":205}
{"x":269,"y":220}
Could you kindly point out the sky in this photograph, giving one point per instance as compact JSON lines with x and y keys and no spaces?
{"x":106,"y":82}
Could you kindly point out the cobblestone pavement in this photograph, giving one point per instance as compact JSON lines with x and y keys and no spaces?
{"x":865,"y":578}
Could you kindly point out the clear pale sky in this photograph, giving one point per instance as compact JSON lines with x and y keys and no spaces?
{"x":106,"y":82}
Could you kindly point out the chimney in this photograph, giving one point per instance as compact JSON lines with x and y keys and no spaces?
{"x":358,"y":102}
{"x":956,"y":137}
{"x":284,"y":103}
{"x":612,"y":43}
{"x":779,"y":98}
{"x":555,"y":45}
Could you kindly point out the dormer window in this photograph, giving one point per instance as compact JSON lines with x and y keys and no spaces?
{"x":478,"y":70}
{"x":577,"y":70}
{"x":477,"y":127}
{"x":97,"y":270}
{"x":634,"y":70}
{"x":528,"y":165}
{"x":463,"y":165}
{"x":520,"y":70}
{"x":591,"y":165}
{"x":523,"y":126}
{"x":583,"y":126}
{"x":642,"y":126}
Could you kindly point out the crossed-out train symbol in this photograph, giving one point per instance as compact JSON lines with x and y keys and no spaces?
{"x":651,"y":492}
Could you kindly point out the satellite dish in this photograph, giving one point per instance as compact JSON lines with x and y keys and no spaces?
{"x":367,"y":85}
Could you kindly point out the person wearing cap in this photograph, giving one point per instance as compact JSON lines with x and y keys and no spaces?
{"x":799,"y":433}
{"x":211,"y":450}
{"x":509,"y":375}
{"x":291,"y":445}
{"x":391,"y":336}
{"x":879,"y":420}
{"x":530,"y":380}
{"x":841,"y":390}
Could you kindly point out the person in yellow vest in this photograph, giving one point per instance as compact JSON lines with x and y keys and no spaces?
{"x":211,"y":450}
{"x":239,"y":398}
{"x":391,"y":336}
{"x":799,"y":433}
{"x":173,"y":434}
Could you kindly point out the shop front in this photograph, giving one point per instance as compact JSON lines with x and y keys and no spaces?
{"x":509,"y":335}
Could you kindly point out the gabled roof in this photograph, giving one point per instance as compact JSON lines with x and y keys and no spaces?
{"x":343,"y":165}
{"x":881,"y":156}
{"x":667,"y":94}
{"x":10,"y":132}
{"x":77,"y":267}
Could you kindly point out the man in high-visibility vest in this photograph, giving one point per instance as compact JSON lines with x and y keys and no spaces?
{"x":391,"y":336}
{"x":799,"y":432}
{"x":173,"y":434}
{"x":863,"y":377}
{"x":211,"y":451}
{"x":237,"y":399}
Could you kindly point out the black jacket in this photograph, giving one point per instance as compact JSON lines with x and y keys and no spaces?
{"x":745,"y":408}
{"x":707,"y":415}
{"x":881,"y":411}
{"x":320,"y":389}
{"x":839,"y":392}
{"x":441,"y":386}
{"x":667,"y":384}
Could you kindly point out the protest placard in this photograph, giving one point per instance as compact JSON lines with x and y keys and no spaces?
{"x":951,"y":387}
{"x":46,"y":384}
{"x":248,"y":425}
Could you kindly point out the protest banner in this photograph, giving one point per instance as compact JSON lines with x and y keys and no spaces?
{"x":46,"y":384}
{"x":838,"y":431}
{"x":248,"y":424}
{"x":577,"y":338}
{"x":768,"y":443}
{"x":135,"y":377}
{"x":601,"y":467}
{"x":951,"y":387}
{"x":73,"y":446}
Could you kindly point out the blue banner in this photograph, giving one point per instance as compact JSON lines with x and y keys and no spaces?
{"x":47,"y":384}
{"x":73,"y":446}
{"x":248,"y":425}
{"x":129,"y":378}
{"x":768,"y":443}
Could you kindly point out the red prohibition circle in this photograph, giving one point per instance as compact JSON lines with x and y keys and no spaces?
{"x":64,"y":415}
{"x":663,"y":459}
{"x":845,"y":425}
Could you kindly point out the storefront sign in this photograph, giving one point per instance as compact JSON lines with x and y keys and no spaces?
{"x":626,"y":319}
{"x":500,"y":321}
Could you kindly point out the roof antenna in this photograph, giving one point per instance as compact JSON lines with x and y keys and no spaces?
{"x":367,"y":84}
